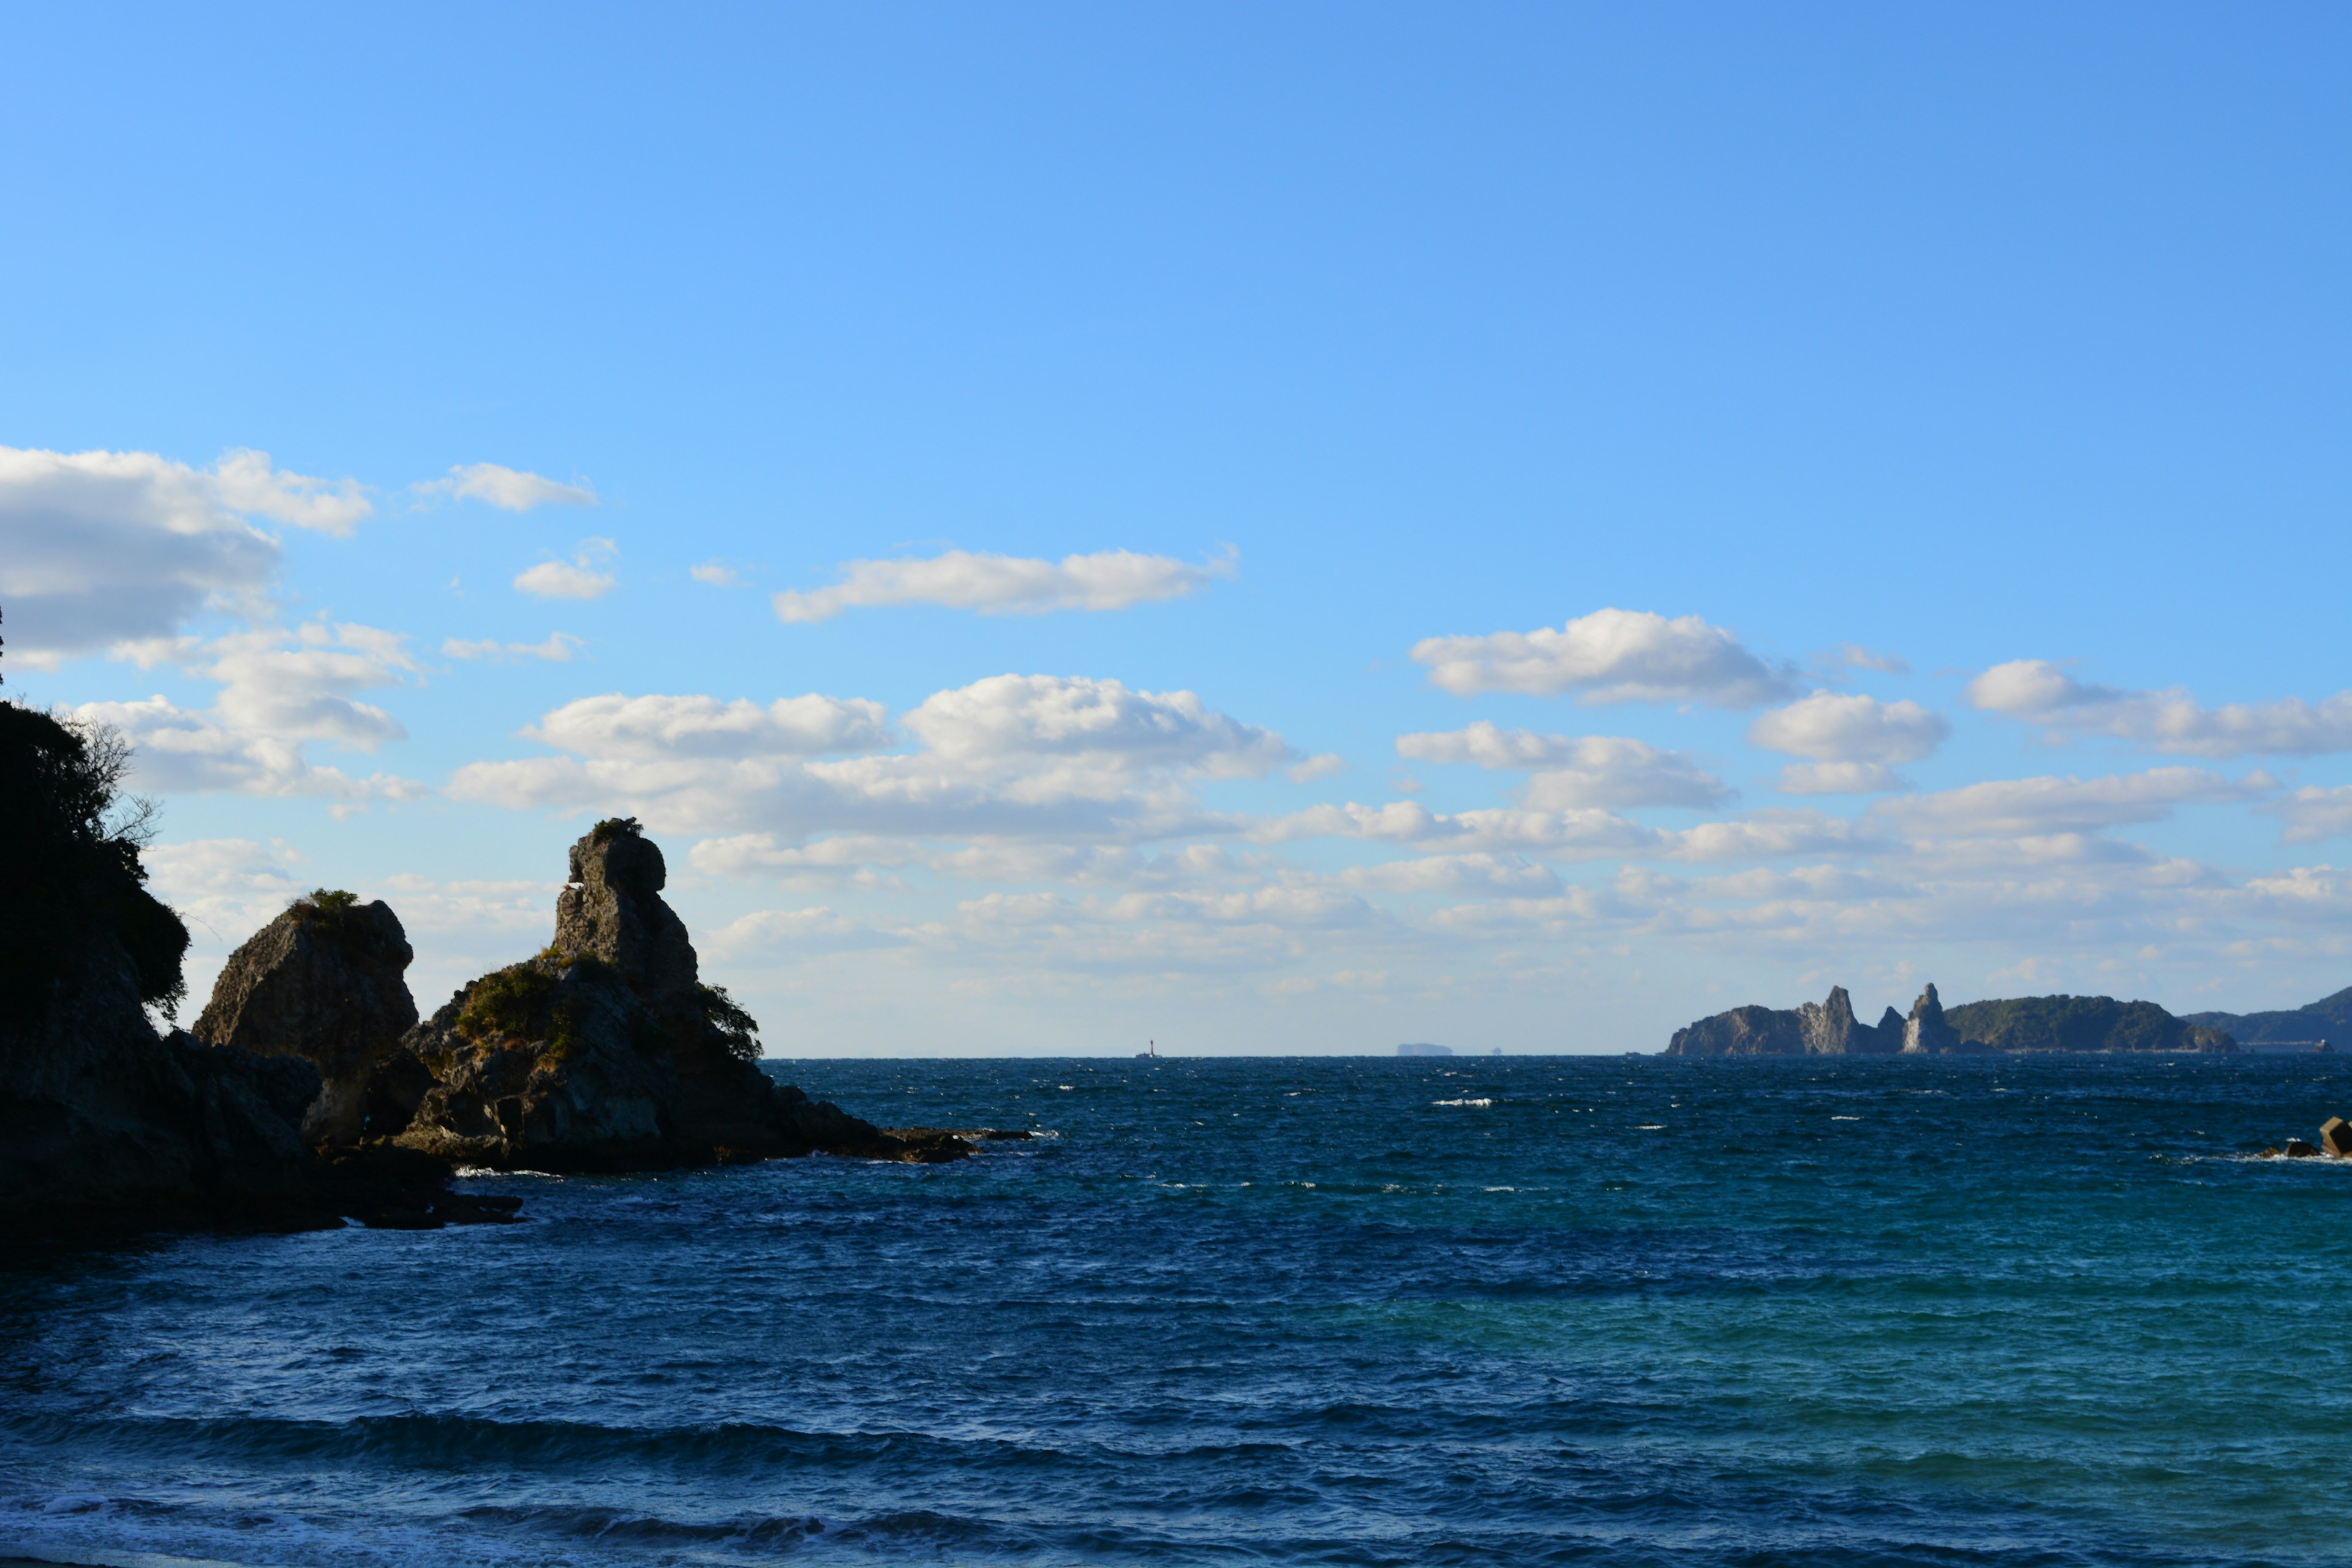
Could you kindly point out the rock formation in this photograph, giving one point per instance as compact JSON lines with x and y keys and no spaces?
{"x":2024,"y":1024}
{"x":324,"y":981}
{"x":607,"y":1052}
{"x":1816,"y":1028}
{"x":106,"y":1127}
{"x":1926,"y":1032}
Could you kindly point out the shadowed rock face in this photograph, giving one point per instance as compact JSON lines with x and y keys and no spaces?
{"x":606,"y":1052}
{"x":105,"y":1127}
{"x":325,"y":981}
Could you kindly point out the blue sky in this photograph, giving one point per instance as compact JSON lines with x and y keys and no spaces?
{"x":2004,"y":348}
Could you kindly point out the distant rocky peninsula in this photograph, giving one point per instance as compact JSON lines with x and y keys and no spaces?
{"x":309,"y":1093}
{"x":2024,"y":1024}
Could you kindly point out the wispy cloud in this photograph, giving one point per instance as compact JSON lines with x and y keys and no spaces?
{"x":1006,"y":584}
{"x":578,"y":578}
{"x":558,"y":647}
{"x":509,"y":490}
{"x":2171,"y":721}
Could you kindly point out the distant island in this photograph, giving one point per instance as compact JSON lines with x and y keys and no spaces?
{"x":2088,"y":1024}
{"x":2329,"y":1018}
{"x":1423,"y":1048}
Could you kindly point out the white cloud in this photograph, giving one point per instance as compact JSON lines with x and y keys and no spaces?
{"x":2040,"y":692}
{"x":1835,"y":662}
{"x":226,"y":888}
{"x":577,"y":578}
{"x":655,"y":728}
{"x":558,"y":647}
{"x":802,"y":932}
{"x":1065,"y":759}
{"x":1006,"y":584}
{"x":2312,"y":814}
{"x":1609,"y":655}
{"x":185,"y":752}
{"x":100,"y":547}
{"x":1577,"y":770}
{"x":509,"y":490}
{"x":716,"y":574}
{"x":1100,"y":721}
{"x":1838,"y":727}
{"x":1319,"y":766}
{"x":1458,"y":875}
{"x":1838,"y":778}
{"x":279,"y":689}
{"x":246,"y":483}
{"x":2011,"y":807}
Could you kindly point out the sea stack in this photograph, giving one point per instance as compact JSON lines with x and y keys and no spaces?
{"x":325,"y":981}
{"x":1927,"y":1030}
{"x":606,"y":1052}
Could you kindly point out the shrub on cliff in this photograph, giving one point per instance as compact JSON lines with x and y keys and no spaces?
{"x":70,"y":876}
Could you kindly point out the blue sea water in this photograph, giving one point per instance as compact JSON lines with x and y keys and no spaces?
{"x":1484,"y":1311}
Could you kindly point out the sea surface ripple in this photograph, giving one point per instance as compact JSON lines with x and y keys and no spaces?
{"x":1595,"y":1310}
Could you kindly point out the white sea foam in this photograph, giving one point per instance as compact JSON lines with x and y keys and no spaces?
{"x":1460,"y":1103}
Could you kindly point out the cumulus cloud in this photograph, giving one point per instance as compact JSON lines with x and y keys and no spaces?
{"x":578,"y":578}
{"x":1838,"y":778}
{"x":509,"y":490}
{"x":2013,"y":808}
{"x":1839,"y":727}
{"x":1064,"y":758}
{"x":97,"y":548}
{"x":226,"y":888}
{"x":558,"y":647}
{"x":2172,"y":721}
{"x":716,"y":574}
{"x":1609,"y":655}
{"x":1006,"y":584}
{"x":246,"y":483}
{"x":1572,"y":771}
{"x":653,"y":727}
{"x":1100,"y":721}
{"x":181,"y":750}
{"x":279,"y":689}
{"x":1458,"y":875}
{"x":2312,"y":814}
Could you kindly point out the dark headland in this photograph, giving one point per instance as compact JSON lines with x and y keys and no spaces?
{"x":309,"y":1092}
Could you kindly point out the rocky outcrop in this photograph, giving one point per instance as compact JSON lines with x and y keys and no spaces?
{"x":1926,"y":1032}
{"x":325,"y":981}
{"x":607,"y":1052}
{"x":1816,"y":1028}
{"x":105,"y":1126}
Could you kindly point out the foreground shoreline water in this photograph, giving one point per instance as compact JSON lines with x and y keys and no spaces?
{"x":1625,"y":1310}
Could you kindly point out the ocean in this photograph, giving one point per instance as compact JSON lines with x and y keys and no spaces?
{"x":1593,"y":1310}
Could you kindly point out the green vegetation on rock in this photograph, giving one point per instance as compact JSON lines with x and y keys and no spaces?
{"x":2079,"y":1023}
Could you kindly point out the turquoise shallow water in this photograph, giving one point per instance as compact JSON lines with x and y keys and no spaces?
{"x":1480,"y":1311}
